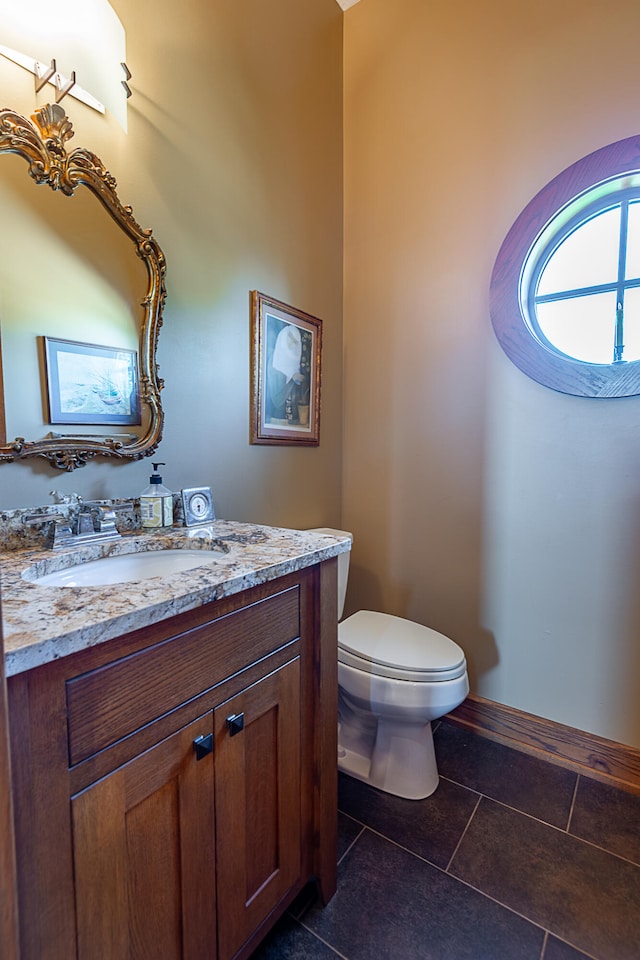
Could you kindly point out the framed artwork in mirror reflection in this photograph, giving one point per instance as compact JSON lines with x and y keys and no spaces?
{"x":286,"y":349}
{"x":88,"y":383}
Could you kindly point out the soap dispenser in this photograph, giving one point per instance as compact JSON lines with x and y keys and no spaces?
{"x":156,"y":502}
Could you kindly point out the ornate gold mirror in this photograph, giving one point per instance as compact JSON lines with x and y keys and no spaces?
{"x":79,"y":313}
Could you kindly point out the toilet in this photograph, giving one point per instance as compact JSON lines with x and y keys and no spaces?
{"x":394,"y":677}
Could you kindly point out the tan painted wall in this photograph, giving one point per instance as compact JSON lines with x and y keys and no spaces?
{"x":497,"y":511}
{"x":483,"y":504}
{"x":234,"y":158}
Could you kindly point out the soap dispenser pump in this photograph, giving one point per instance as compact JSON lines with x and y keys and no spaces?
{"x":156,"y":502}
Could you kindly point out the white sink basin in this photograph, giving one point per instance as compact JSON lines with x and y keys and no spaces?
{"x":125,"y":568}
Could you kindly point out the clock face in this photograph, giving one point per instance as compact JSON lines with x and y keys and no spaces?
{"x":198,"y":505}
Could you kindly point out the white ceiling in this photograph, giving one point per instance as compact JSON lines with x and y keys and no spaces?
{"x":345,"y":4}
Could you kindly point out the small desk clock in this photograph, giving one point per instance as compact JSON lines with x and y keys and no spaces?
{"x":198,"y":505}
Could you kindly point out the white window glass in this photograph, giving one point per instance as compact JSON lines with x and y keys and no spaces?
{"x":633,"y":242}
{"x":587,"y":258}
{"x":582,"y":328}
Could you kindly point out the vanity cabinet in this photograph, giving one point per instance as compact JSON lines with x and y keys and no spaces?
{"x":176,"y":787}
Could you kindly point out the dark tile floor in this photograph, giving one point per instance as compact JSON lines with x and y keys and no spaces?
{"x":511,"y":858}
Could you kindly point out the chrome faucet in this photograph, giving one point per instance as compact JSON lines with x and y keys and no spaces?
{"x":95,"y":522}
{"x":56,"y":526}
{"x":90,"y":522}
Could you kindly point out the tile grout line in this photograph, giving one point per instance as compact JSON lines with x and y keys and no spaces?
{"x":466,"y":883}
{"x":567,"y":943}
{"x":462,"y":835}
{"x":325,"y":942}
{"x":451,"y":876}
{"x":363,"y":827}
{"x":573,"y":803}
{"x":517,"y":913}
{"x":509,"y":806}
{"x":445,"y":871}
{"x":545,"y":823}
{"x":547,"y":947}
{"x":544,"y":944}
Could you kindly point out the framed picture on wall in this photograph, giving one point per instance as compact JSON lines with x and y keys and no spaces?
{"x":87,"y":383}
{"x":286,"y":348}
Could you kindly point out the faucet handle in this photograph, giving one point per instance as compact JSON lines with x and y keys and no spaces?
{"x":90,"y":506}
{"x":66,"y":498}
{"x":107,"y":522}
{"x":102,"y":514}
{"x":33,"y":519}
{"x":57,"y":527}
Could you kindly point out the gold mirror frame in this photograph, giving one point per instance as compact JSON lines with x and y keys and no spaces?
{"x":42,"y":143}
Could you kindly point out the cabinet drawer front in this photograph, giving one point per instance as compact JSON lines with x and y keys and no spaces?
{"x":111,"y":702}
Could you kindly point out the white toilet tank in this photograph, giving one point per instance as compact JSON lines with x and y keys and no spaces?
{"x":343,"y":564}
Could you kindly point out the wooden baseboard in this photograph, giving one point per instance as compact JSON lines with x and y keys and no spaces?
{"x":581,"y":752}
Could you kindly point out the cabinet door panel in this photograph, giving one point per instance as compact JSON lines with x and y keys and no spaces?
{"x":258,"y":804}
{"x":144,"y":858}
{"x":8,"y":893}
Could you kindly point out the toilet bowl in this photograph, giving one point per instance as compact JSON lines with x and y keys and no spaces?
{"x":394,"y":677}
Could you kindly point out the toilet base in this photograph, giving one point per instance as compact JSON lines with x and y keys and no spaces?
{"x":391,"y":755}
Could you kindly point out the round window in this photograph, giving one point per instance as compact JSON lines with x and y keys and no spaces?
{"x":565,"y":290}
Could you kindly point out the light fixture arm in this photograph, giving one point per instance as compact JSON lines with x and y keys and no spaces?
{"x":42,"y":79}
{"x":64,"y":88}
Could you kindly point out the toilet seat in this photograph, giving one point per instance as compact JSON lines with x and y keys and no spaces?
{"x":389,"y":646}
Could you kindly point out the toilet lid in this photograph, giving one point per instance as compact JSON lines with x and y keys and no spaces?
{"x":393,"y":647}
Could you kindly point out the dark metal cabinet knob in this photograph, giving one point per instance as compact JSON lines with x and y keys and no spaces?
{"x":203,"y":746}
{"x":235,"y":723}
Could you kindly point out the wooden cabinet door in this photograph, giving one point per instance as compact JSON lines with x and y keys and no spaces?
{"x":8,"y":895}
{"x":144,"y":856}
{"x":258,"y":803}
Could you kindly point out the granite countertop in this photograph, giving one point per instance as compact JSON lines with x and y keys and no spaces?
{"x":44,"y":623}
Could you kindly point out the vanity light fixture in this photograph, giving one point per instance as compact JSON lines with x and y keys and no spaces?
{"x":84,"y":34}
{"x":64,"y":89}
{"x":127,"y":77}
{"x":42,"y":75}
{"x":50,"y":74}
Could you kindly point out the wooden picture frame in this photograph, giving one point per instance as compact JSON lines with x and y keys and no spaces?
{"x":87,"y":383}
{"x":286,"y":351}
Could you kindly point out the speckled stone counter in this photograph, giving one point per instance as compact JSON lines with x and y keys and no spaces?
{"x":44,"y":623}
